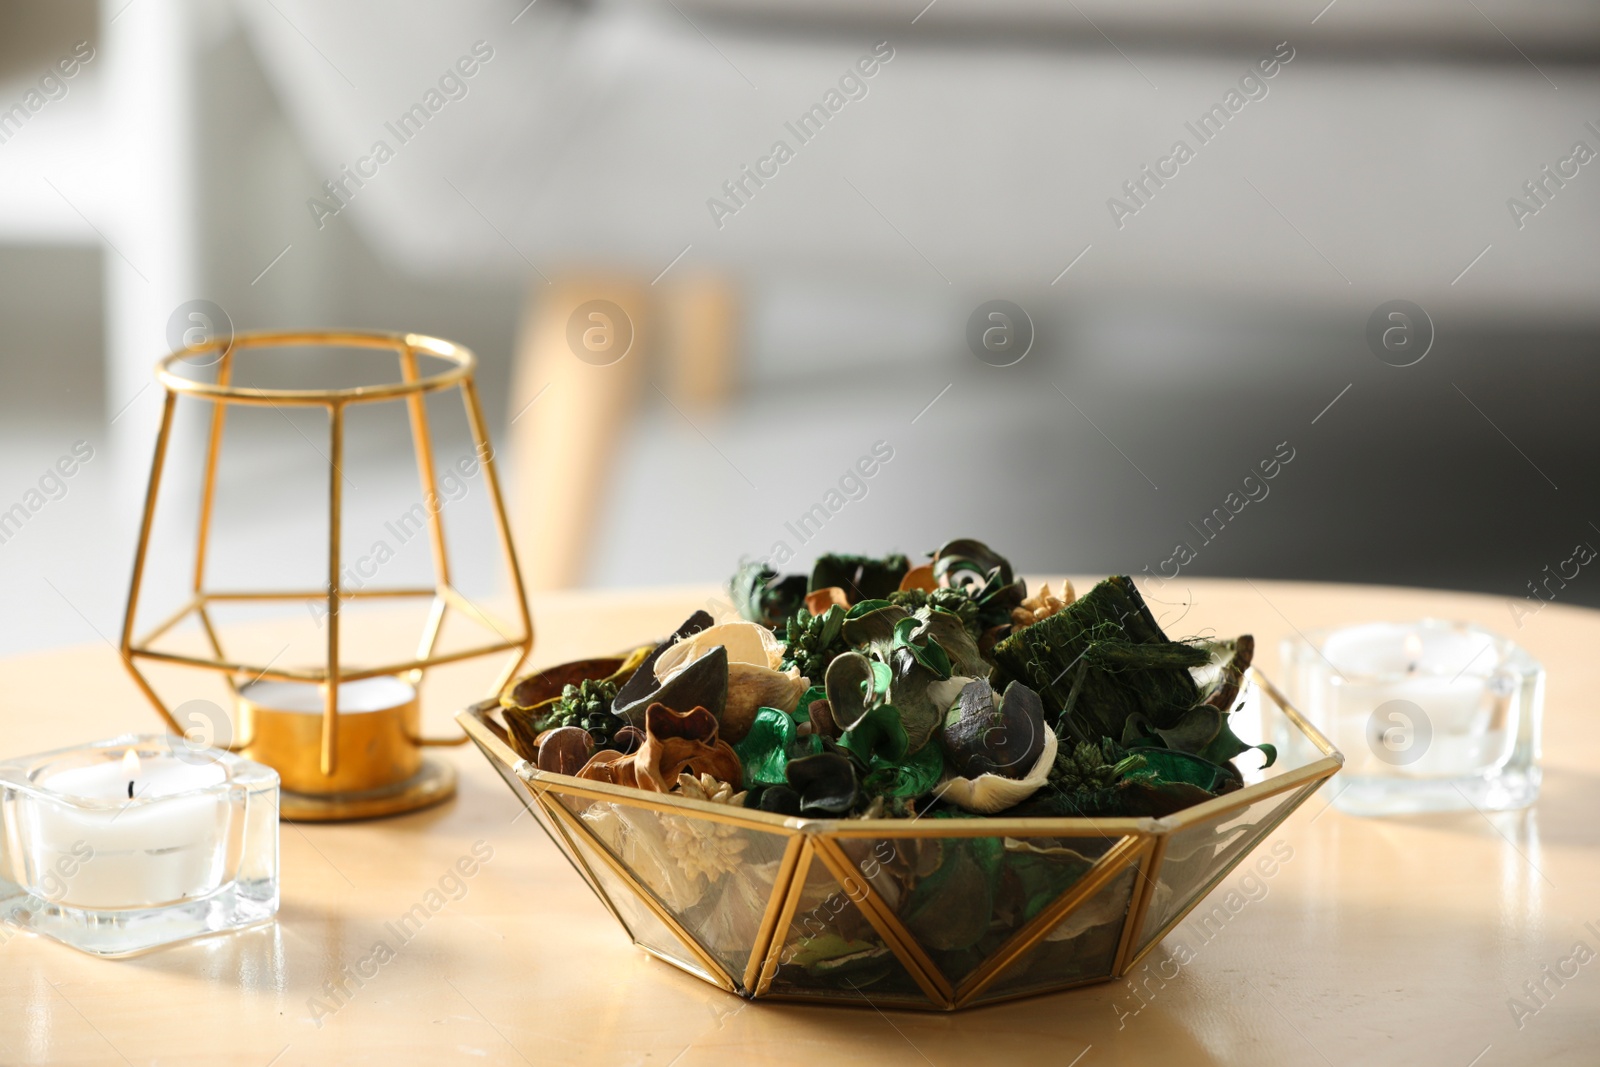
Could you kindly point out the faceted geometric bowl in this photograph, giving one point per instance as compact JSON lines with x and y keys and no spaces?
{"x":754,"y":902}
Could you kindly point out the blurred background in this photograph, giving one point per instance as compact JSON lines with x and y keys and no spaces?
{"x":1173,"y":319}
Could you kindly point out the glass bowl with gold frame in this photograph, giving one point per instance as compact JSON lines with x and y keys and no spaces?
{"x":888,"y":911}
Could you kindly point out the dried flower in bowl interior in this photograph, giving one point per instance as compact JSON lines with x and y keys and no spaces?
{"x":675,"y":744}
{"x":569,"y":694}
{"x":699,"y":845}
{"x":946,"y":689}
{"x":880,"y":687}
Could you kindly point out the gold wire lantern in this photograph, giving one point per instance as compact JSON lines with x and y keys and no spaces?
{"x":343,"y":750}
{"x":748,"y":900}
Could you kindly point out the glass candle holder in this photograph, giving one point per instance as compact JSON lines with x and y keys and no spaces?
{"x":125,"y":845}
{"x":1431,"y":715}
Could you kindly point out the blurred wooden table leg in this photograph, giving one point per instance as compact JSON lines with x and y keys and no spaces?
{"x":575,"y":387}
{"x":700,"y":324}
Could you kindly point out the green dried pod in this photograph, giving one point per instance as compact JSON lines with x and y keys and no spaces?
{"x":983,"y":575}
{"x":812,"y":641}
{"x":589,"y":700}
{"x":955,"y":601}
{"x":826,"y":783}
{"x":849,"y":683}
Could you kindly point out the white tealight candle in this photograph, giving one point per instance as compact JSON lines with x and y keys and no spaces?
{"x":123,"y":850}
{"x":131,"y":777}
{"x":363,"y":696}
{"x":1386,"y":671}
{"x":1430,"y":715}
{"x":127,"y":844}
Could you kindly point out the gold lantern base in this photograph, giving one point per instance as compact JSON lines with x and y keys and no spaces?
{"x":434,"y":783}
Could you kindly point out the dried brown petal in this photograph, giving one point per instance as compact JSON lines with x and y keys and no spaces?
{"x":919,"y":578}
{"x":679,"y":742}
{"x":818,"y":601}
{"x":696,"y":724}
{"x":611,"y":767}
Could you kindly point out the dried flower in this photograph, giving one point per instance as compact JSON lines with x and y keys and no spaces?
{"x":709,"y":789}
{"x":700,"y":846}
{"x":754,"y":679}
{"x":674,"y":742}
{"x":1042,"y":605}
{"x":565,"y":749}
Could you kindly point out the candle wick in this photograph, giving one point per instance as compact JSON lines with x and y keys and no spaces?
{"x":130,"y":790}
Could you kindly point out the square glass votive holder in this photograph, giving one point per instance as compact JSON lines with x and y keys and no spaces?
{"x":1431,"y":715}
{"x":122,"y":846}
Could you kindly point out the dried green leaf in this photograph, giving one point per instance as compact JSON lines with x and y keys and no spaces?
{"x":861,"y":577}
{"x":764,"y":751}
{"x":877,"y":734}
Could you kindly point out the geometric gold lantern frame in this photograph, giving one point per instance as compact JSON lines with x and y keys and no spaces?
{"x":1109,"y":889}
{"x":412,"y":389}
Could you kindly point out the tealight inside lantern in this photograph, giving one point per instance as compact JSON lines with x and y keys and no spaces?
{"x":379,"y":769}
{"x":136,"y":842}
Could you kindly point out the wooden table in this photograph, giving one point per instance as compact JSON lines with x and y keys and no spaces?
{"x":1396,"y":941}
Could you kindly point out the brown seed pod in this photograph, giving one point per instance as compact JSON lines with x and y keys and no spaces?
{"x":565,"y":750}
{"x":822,"y":723}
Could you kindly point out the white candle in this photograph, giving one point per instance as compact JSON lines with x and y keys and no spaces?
{"x":1383,"y":672}
{"x":157,"y":775}
{"x":382,"y":693}
{"x":128,"y":832}
{"x":192,"y":852}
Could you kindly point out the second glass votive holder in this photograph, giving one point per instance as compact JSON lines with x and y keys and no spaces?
{"x":1431,"y":715}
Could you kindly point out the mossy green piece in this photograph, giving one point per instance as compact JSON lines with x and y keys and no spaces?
{"x":1100,"y":661}
{"x":1085,"y":768}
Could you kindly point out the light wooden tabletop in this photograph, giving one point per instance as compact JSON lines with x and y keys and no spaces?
{"x":1397,"y":941}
